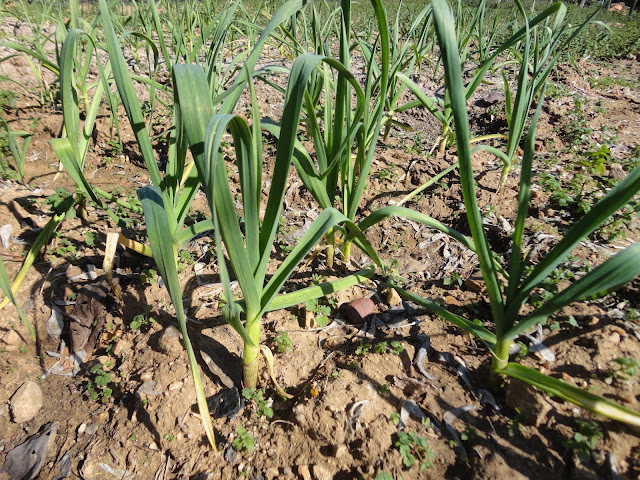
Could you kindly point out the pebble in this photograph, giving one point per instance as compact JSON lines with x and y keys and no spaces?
{"x":360,"y":310}
{"x":146,"y":376}
{"x":614,"y":338}
{"x":321,"y":473}
{"x":91,"y":429}
{"x":153,"y":446}
{"x":230,"y":455}
{"x":393,"y":298}
{"x":170,"y":341}
{"x":176,"y":385}
{"x":627,"y":397}
{"x":474,"y":285}
{"x":122,"y":347}
{"x":12,"y":339}
{"x":26,"y":402}
{"x":452,"y":301}
{"x":303,"y":471}
{"x":341,"y":451}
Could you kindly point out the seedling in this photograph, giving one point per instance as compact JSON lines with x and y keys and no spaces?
{"x":97,"y":388}
{"x":281,"y":342}
{"x":262,"y":405}
{"x":412,"y":448}
{"x":141,"y":320}
{"x":90,"y":238}
{"x":244,"y":440}
{"x":149,"y":276}
{"x":623,"y":369}
{"x":394,"y":417}
{"x":585,"y":439}
{"x":321,"y":309}
{"x":453,"y":279}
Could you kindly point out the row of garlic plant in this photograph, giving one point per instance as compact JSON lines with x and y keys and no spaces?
{"x":344,"y":140}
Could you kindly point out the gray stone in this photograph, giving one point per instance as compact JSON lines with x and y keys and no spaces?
{"x":26,"y":402}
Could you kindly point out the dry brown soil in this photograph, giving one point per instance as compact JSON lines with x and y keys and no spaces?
{"x":339,"y":423}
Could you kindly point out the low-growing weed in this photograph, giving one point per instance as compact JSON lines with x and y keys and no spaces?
{"x":281,"y":342}
{"x":262,"y":405}
{"x":244,"y":440}
{"x":98,"y":386}
{"x":185,"y":259}
{"x":149,"y":276}
{"x":623,"y":369}
{"x":321,"y":309}
{"x":414,"y":448}
{"x":90,"y":238}
{"x":585,"y":439}
{"x":141,"y":320}
{"x":394,"y":347}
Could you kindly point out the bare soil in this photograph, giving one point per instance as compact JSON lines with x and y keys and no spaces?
{"x":346,"y":391}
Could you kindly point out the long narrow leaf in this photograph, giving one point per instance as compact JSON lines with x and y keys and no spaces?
{"x":563,"y":390}
{"x":164,"y":254}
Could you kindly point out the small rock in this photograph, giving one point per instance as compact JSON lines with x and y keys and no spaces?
{"x":616,"y":171}
{"x":91,"y":429}
{"x":176,"y":385}
{"x":102,"y":416}
{"x":341,"y":451}
{"x":146,"y":376}
{"x":12,"y":338}
{"x":452,"y":301}
{"x":360,"y":310}
{"x":474,"y":285}
{"x":393,"y":298}
{"x":613,"y":338}
{"x":567,"y":378}
{"x":170,"y":341}
{"x":621,"y":331}
{"x":532,"y":404}
{"x":153,"y":446}
{"x":122,"y":347}
{"x":627,"y":397}
{"x":320,"y":472}
{"x":303,"y":471}
{"x":593,"y":321}
{"x":230,"y":455}
{"x":26,"y":402}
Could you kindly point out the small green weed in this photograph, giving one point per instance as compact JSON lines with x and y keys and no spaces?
{"x":262,"y":405}
{"x":97,"y":387}
{"x":281,"y":342}
{"x":394,"y":347}
{"x":585,"y":439}
{"x":322,"y":311}
{"x":623,"y":369}
{"x":142,"y":320}
{"x":149,"y":276}
{"x":414,"y":448}
{"x":185,"y":259}
{"x":244,"y":440}
{"x":90,"y":238}
{"x":452,"y":280}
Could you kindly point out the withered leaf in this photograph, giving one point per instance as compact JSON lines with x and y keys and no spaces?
{"x":88,"y":315}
